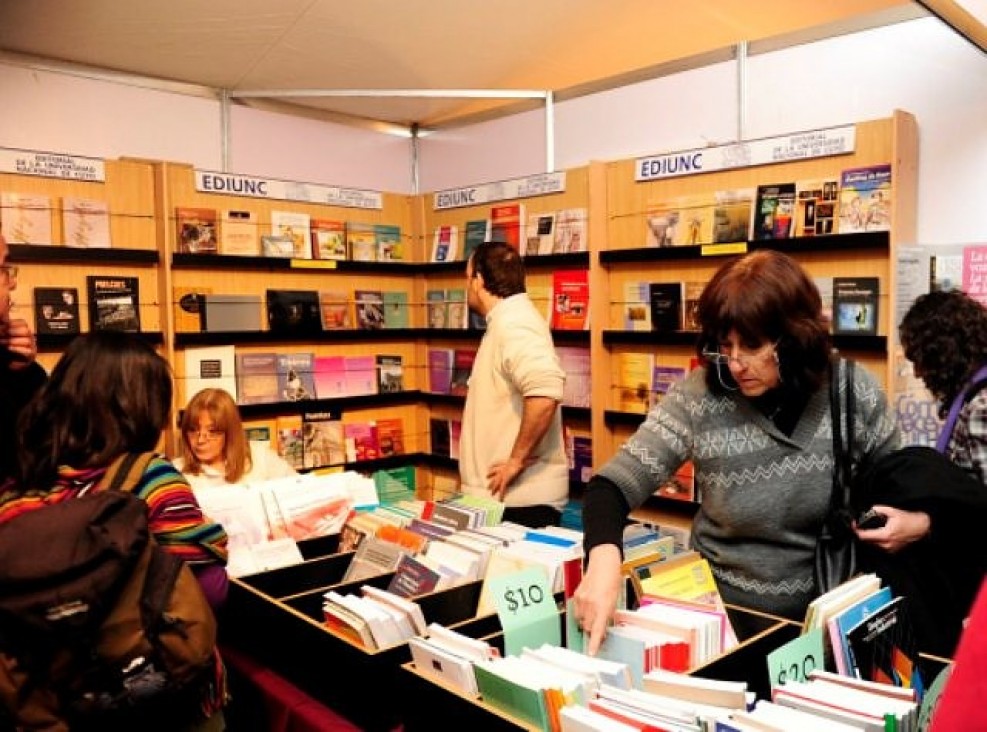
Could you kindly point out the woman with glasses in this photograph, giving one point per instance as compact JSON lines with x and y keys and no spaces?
{"x":755,"y":422}
{"x":215,"y":449}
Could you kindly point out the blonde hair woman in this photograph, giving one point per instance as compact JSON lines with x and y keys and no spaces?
{"x":214,"y":447}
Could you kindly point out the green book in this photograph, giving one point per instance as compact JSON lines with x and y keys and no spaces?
{"x":474,"y":236}
{"x":395,"y":309}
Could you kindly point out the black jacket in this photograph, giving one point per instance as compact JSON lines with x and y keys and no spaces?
{"x":16,"y":390}
{"x":941,"y":573}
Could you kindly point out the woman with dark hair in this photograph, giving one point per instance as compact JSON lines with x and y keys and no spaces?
{"x":756,"y":424}
{"x":944,"y":335}
{"x":109,"y":395}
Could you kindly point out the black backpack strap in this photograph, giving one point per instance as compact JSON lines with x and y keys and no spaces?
{"x":842,"y":453}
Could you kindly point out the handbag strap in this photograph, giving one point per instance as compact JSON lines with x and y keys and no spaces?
{"x":842,"y":455}
{"x":976,"y":382}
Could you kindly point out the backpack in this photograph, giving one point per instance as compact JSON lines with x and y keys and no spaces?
{"x":97,"y":621}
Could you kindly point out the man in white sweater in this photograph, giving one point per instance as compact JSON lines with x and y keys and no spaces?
{"x":511,"y":445}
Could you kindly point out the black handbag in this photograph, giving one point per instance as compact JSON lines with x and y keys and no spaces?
{"x":836,"y":547}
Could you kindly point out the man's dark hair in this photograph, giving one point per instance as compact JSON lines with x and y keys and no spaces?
{"x":501,"y":267}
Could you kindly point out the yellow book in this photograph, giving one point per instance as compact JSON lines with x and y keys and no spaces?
{"x":633,"y":381}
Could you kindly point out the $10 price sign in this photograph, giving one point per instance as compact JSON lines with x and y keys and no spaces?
{"x":526,"y":609}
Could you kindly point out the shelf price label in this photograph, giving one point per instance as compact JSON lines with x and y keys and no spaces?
{"x":795,"y":660}
{"x":526,"y":609}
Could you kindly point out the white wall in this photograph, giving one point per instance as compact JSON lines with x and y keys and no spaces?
{"x":58,"y":112}
{"x":919,"y":66}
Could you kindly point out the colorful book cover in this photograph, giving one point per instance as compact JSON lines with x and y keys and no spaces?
{"x":197,"y":230}
{"x":390,"y":374}
{"x":369,"y":307}
{"x":435,"y":309}
{"x":883,"y":647}
{"x":691,"y":292}
{"x":662,"y":378}
{"x":361,"y":375}
{"x":290,"y":444}
{"x":634,"y":373}
{"x":390,"y":245}
{"x":86,"y":223}
{"x":328,"y":239}
{"x":507,"y":224}
{"x":575,"y":361}
{"x":541,"y":233}
{"x":390,"y":436}
{"x":855,"y":305}
{"x":570,"y":299}
{"x":816,"y":201}
{"x":457,"y":315}
{"x":637,"y":306}
{"x":445,"y":242}
{"x":334,"y":310}
{"x":774,"y":211}
{"x":475,"y":233}
{"x":396,"y":309}
{"x":360,"y":439}
{"x":296,"y":226}
{"x":732,"y":212}
{"x":679,"y":221}
{"x":455,"y":434}
{"x":238,"y":234}
{"x":682,"y":485}
{"x":277,"y":245}
{"x":440,"y":362}
{"x":580,"y":458}
{"x":361,"y":242}
{"x":296,"y":376}
{"x":330,"y":376}
{"x":462,"y":367}
{"x":865,"y":199}
{"x":322,"y":439}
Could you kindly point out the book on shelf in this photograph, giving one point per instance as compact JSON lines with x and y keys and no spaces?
{"x":228,"y":313}
{"x":197,"y":230}
{"x":507,"y":224}
{"x":322,"y":439}
{"x":390,"y":436}
{"x":883,"y":647}
{"x":662,"y":378}
{"x":541,"y":233}
{"x":374,"y":557}
{"x":210,"y":367}
{"x":667,"y":300}
{"x":360,"y":441}
{"x":25,"y":218}
{"x":637,"y":306}
{"x":575,"y":361}
{"x":570,"y":231}
{"x":436,"y":311}
{"x":361,"y":374}
{"x":277,"y":245}
{"x":855,"y":305}
{"x":390,"y":245}
{"x":56,"y":310}
{"x":296,"y":226}
{"x":570,"y":299}
{"x":732,"y":210}
{"x":457,"y":312}
{"x":328,"y":239}
{"x":189,"y":303}
{"x":455,"y":435}
{"x":334,"y":310}
{"x":840,"y":623}
{"x":691,"y":292}
{"x":330,"y":376}
{"x":396,"y":309}
{"x":774,"y":211}
{"x":296,"y":376}
{"x":114,"y":303}
{"x":474,"y":234}
{"x":293,"y":312}
{"x":238,"y":233}
{"x":413,"y":577}
{"x":580,"y":458}
{"x":369,"y":308}
{"x":825,"y":287}
{"x":440,"y":436}
{"x":945,"y":272}
{"x":462,"y":367}
{"x":361,"y":241}
{"x":816,"y":201}
{"x":634,"y":381}
{"x":289,"y":443}
{"x":86,"y":223}
{"x":679,"y":221}
{"x":256,"y":377}
{"x":865,"y":199}
{"x":440,"y":363}
{"x":445,"y":243}
{"x":390,"y":373}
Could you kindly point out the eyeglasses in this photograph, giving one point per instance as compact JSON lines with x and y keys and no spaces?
{"x":210,"y":435}
{"x":744,"y":357}
{"x":8,"y":272}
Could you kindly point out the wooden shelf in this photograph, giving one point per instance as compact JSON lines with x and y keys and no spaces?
{"x":361,"y":401}
{"x":283,"y":264}
{"x":33,"y":253}
{"x":255,"y":337}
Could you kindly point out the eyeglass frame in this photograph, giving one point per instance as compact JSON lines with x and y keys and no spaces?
{"x":743,"y":360}
{"x":211,"y":434}
{"x":10,"y":272}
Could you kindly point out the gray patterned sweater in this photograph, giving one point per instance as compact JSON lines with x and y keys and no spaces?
{"x":763,"y":494}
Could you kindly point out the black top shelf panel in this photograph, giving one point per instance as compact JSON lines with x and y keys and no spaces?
{"x":77,"y":255}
